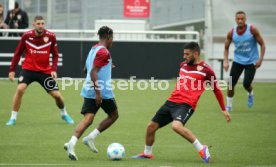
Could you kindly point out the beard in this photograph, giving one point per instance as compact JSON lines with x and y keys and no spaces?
{"x":191,"y":62}
{"x":39,"y":32}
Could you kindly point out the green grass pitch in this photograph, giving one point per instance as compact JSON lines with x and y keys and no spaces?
{"x":39,"y":135}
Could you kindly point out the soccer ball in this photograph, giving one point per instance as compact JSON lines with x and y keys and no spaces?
{"x":116,"y":151}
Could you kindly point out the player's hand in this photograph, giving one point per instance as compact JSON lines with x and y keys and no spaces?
{"x":258,"y":63}
{"x":11,"y":76}
{"x":227,"y":116}
{"x":98,"y":99}
{"x":54,"y":74}
{"x":225,"y":65}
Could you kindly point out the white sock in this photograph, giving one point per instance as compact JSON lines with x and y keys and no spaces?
{"x":73,"y":140}
{"x":94,"y":134}
{"x":229,"y":101}
{"x":197,"y":145}
{"x":63,"y":111}
{"x":14,"y":115}
{"x":148,"y":150}
{"x":251,"y":93}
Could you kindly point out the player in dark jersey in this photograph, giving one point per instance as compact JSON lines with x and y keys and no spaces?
{"x":37,"y":45}
{"x":180,"y":106}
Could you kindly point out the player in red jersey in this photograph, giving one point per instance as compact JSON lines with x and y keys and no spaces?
{"x":37,"y":45}
{"x":179,"y":107}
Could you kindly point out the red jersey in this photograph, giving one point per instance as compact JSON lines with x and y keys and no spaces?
{"x":192,"y":82}
{"x":37,"y":52}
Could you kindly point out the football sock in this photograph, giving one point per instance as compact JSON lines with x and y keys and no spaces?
{"x":148,"y":150}
{"x":229,"y":101}
{"x":197,"y":145}
{"x":94,"y":134}
{"x":73,"y":140}
{"x":63,"y":111}
{"x":14,"y":115}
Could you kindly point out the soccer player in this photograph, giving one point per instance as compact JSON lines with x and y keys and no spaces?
{"x":246,"y":57}
{"x":179,"y":107}
{"x":37,"y":45}
{"x":97,"y":93}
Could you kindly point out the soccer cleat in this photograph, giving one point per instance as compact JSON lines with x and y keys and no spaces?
{"x":11,"y":122}
{"x":250,"y":101}
{"x":70,"y":151}
{"x":67,"y":119}
{"x":143,"y":156}
{"x":204,"y":154}
{"x":90,"y":144}
{"x":228,"y":108}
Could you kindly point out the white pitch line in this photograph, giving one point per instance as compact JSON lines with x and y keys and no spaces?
{"x":6,"y":164}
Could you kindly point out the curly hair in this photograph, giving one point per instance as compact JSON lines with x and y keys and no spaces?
{"x":105,"y":32}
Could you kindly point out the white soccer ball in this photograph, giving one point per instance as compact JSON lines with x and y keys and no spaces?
{"x":116,"y":151}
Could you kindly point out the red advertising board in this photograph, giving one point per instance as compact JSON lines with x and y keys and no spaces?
{"x":137,"y":8}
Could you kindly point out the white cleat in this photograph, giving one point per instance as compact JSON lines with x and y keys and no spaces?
{"x":90,"y":144}
{"x":70,"y":152}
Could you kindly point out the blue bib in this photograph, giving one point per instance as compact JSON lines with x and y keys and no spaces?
{"x":104,"y":77}
{"x":246,"y":49}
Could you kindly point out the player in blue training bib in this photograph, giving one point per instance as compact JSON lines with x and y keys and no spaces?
{"x":97,"y":93}
{"x":246,"y":57}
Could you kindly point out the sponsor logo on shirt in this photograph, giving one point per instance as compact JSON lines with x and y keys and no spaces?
{"x":33,"y":51}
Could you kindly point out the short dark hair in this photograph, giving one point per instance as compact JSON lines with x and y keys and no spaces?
{"x":240,"y":12}
{"x":105,"y":32}
{"x":38,"y":18}
{"x":193,"y":46}
{"x":16,"y":5}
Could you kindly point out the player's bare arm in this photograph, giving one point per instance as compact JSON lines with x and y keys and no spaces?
{"x":94,"y":78}
{"x":220,"y":100}
{"x":260,"y":40}
{"x":226,"y":50}
{"x":227,"y":116}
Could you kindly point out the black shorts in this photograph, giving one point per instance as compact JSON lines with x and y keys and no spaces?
{"x":89,"y":106}
{"x":45,"y":80}
{"x":172,"y":111}
{"x":237,"y":69}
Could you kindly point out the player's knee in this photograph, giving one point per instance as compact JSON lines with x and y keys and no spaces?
{"x":114,"y":116}
{"x":88,"y":119}
{"x":57,"y":96}
{"x":152,"y":127}
{"x":246,"y":85}
{"x":20,"y":90}
{"x":176,"y":126}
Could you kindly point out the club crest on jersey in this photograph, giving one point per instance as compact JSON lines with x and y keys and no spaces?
{"x":46,"y":39}
{"x":199,"y":68}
